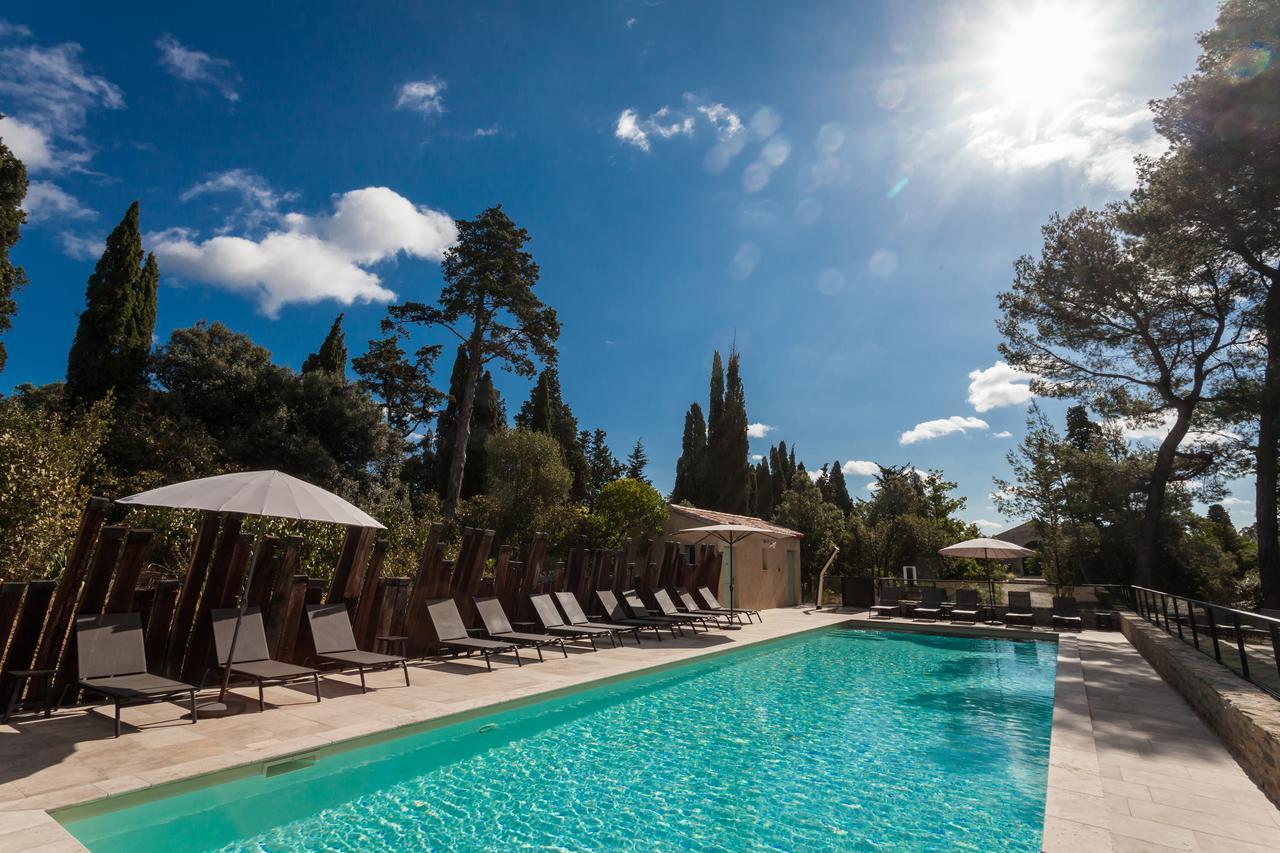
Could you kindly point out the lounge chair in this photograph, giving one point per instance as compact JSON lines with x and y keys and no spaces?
{"x":253,"y":660}
{"x":930,"y":606}
{"x":614,"y":612}
{"x":112,"y":657}
{"x":668,"y":608}
{"x":966,"y":607}
{"x":709,"y":600}
{"x":890,"y":602}
{"x":575,"y":617}
{"x":632,"y":600}
{"x":498,"y":627}
{"x":1019,"y":609}
{"x":553,"y":623}
{"x":691,"y":605}
{"x":334,"y":641}
{"x":452,"y":633}
{"x":1067,"y":612}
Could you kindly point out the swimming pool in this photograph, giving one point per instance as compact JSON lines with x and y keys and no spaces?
{"x":838,"y":739}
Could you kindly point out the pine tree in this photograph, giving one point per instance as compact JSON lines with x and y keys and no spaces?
{"x":332,"y":357}
{"x":693,"y":449}
{"x":636,"y":462}
{"x":763,"y":489}
{"x":113,"y":338}
{"x":489,"y":415}
{"x":838,"y":489}
{"x":13,"y":189}
{"x":602,"y":465}
{"x":538,"y":414}
{"x":1081,"y":431}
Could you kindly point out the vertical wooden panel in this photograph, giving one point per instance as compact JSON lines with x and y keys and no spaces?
{"x":367,"y":605}
{"x":277,"y":610}
{"x":417,"y":627}
{"x":22,"y":648}
{"x":10,"y":602}
{"x":504,"y":586}
{"x":184,"y":609}
{"x":264,"y":569}
{"x":124,"y":585}
{"x":342,"y":569}
{"x":160,"y":617}
{"x":92,"y":597}
{"x":63,"y":605}
{"x":286,"y":643}
{"x":226,"y":574}
{"x":360,"y":568}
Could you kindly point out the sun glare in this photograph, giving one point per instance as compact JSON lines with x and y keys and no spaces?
{"x":1041,"y":54}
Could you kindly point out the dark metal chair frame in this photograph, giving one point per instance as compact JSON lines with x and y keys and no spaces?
{"x":575,"y":616}
{"x":498,"y":627}
{"x":890,"y":603}
{"x":452,"y":634}
{"x":709,"y":599}
{"x":614,"y":612}
{"x":1067,"y":610}
{"x":335,"y":641}
{"x":553,"y":623}
{"x":253,"y":657}
{"x":1019,"y":609}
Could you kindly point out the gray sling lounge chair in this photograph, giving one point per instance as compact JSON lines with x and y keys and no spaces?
{"x":966,"y":607}
{"x":1019,"y":609}
{"x":691,"y":605}
{"x":890,"y":602}
{"x":613,"y":610}
{"x":334,"y":641}
{"x":930,"y":606}
{"x":668,"y":608}
{"x":113,"y":663}
{"x":253,"y":660}
{"x":451,"y":632}
{"x":632,"y":599}
{"x":710,"y":601}
{"x":577,"y":618}
{"x":1067,"y":612}
{"x":553,"y":623}
{"x":498,"y":627}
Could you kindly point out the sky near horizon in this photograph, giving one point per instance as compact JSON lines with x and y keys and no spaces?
{"x":841,"y":189}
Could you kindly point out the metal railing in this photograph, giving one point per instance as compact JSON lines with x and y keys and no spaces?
{"x":1247,"y":643}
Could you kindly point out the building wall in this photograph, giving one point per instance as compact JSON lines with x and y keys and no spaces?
{"x":760,"y":575}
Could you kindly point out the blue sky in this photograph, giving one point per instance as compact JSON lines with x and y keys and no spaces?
{"x":842,"y":188}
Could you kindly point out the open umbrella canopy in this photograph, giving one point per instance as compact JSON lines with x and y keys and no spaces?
{"x":730,"y":533}
{"x":986,"y":549}
{"x":271,"y":493}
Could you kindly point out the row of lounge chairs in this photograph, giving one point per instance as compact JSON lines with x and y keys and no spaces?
{"x":112,"y":657}
{"x":933,"y":606}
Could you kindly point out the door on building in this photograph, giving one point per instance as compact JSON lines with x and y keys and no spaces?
{"x":791,"y":577}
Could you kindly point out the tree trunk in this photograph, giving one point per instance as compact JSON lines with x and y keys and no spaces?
{"x":462,"y":434}
{"x":1265,"y":458}
{"x":1149,"y":539}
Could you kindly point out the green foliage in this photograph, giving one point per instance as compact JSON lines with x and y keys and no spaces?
{"x":627,"y":507}
{"x":546,"y":411}
{"x":803,"y":509}
{"x":488,"y":417}
{"x":113,"y":338}
{"x":527,"y":475}
{"x":45,"y":459}
{"x":409,"y":400}
{"x":637,"y":459}
{"x":332,"y":355}
{"x":692,"y":461}
{"x":713,"y":471}
{"x":602,"y":466}
{"x":13,"y":189}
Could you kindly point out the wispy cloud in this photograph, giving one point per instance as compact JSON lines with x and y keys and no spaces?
{"x":422,"y":96}
{"x":259,"y":204}
{"x":928,"y":430}
{"x":82,"y":247}
{"x":987,"y":524}
{"x":1004,"y":433}
{"x":668,"y":122}
{"x":47,"y":201}
{"x":998,"y":385}
{"x":196,"y":66}
{"x":486,"y":132}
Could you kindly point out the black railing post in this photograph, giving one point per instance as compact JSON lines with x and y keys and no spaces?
{"x":1213,"y":632}
{"x":1275,"y":645}
{"x":1177,"y":618}
{"x":1244,"y":659}
{"x":1191,"y":618}
{"x":1164,"y":606}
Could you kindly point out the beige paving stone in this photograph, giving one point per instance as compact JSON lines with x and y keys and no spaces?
{"x":1211,"y":824}
{"x":1069,"y":836}
{"x":1125,"y":790}
{"x":1194,"y":802}
{"x":1081,"y":808}
{"x":1149,"y":832}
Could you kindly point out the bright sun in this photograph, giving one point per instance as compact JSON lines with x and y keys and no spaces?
{"x":1042,"y":54}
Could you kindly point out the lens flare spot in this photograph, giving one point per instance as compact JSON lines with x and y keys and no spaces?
{"x":1249,"y":62}
{"x":830,"y":282}
{"x":897,"y":187}
{"x":883,"y":263}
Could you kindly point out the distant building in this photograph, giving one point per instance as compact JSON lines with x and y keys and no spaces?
{"x":1026,"y":535}
{"x":766,"y":570}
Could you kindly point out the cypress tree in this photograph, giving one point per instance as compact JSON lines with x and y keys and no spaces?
{"x":838,"y":488}
{"x":715,"y":409}
{"x":603,"y":466}
{"x":113,"y":338}
{"x":636,"y":462}
{"x":730,"y":447}
{"x":763,"y":487}
{"x":538,"y":412}
{"x":332,"y":357}
{"x":693,"y":449}
{"x":13,"y":189}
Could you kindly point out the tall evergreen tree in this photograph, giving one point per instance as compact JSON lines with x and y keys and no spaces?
{"x":693,"y":449}
{"x":729,"y":453}
{"x":13,"y":189}
{"x":838,"y":489}
{"x":715,"y":415}
{"x":404,"y":386}
{"x":603,"y":466}
{"x":763,"y":489}
{"x":488,"y":415}
{"x":332,"y":357}
{"x":113,"y":338}
{"x":1081,"y":431}
{"x":636,"y":462}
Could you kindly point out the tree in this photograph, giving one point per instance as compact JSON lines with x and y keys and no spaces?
{"x":527,"y":475}
{"x":489,"y":417}
{"x":546,"y":411}
{"x":728,"y":445}
{"x":113,"y":338}
{"x":1081,"y":431}
{"x":13,"y":189}
{"x":602,"y":465}
{"x":409,"y":400}
{"x":332,"y":356}
{"x":803,"y":509}
{"x":910,"y":515}
{"x":627,"y":507}
{"x":1217,"y":188}
{"x":488,"y":303}
{"x":693,"y":450}
{"x":1103,"y":318}
{"x":637,"y":459}
{"x":838,"y":489}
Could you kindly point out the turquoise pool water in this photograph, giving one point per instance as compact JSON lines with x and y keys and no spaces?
{"x":838,"y":740}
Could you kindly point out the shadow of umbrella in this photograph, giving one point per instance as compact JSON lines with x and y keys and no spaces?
{"x":264,"y":494}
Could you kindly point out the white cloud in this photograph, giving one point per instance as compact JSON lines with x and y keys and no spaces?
{"x":756,"y":457}
{"x":1154,"y":431}
{"x":196,"y":66}
{"x":1234,"y":501}
{"x":29,"y":144}
{"x":1004,"y":433}
{"x":46,"y":201}
{"x":82,"y":247}
{"x":987,"y":524}
{"x":942,"y":426}
{"x":422,"y":96}
{"x":758,"y":430}
{"x":486,"y":132}
{"x":631,"y":22}
{"x":307,"y":259}
{"x":998,"y":385}
{"x":669,"y":122}
{"x":860,"y":468}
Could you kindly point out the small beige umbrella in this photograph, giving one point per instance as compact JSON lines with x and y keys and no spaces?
{"x":262,"y":493}
{"x":730,"y":534}
{"x":987,"y":549}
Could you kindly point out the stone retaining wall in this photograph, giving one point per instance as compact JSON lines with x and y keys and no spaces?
{"x":1244,"y":716}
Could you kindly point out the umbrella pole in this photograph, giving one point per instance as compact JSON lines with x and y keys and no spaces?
{"x":732,"y":603}
{"x":243,"y":605}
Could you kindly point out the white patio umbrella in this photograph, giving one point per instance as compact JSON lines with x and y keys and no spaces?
{"x":261,"y":493}
{"x":987,"y":549}
{"x":730,"y":534}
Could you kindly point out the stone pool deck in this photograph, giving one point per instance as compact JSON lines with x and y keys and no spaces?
{"x":1131,"y":767}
